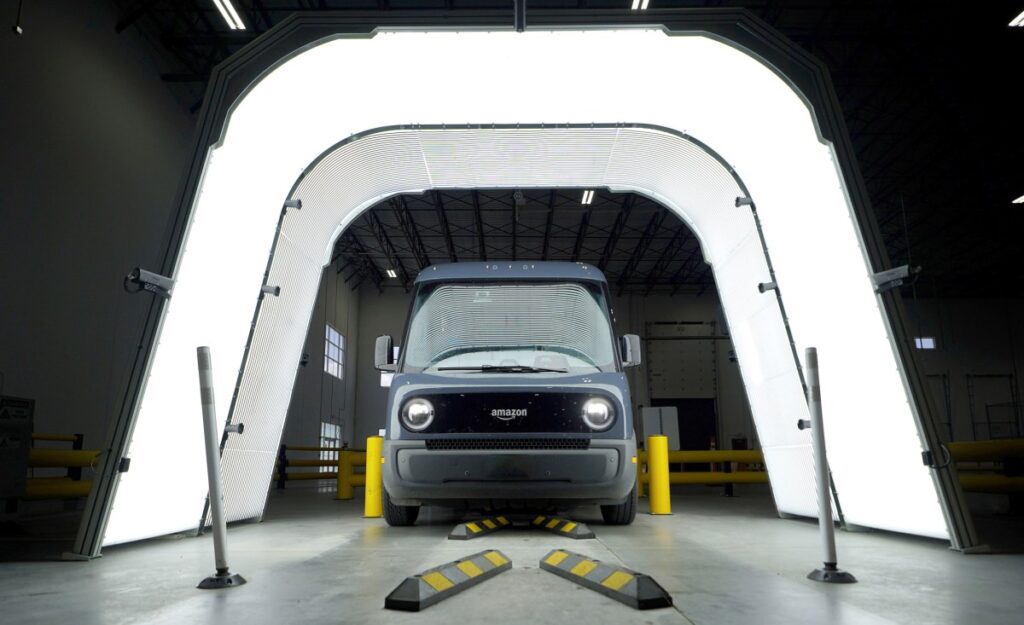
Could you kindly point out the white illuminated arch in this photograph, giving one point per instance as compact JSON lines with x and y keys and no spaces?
{"x":692,"y":85}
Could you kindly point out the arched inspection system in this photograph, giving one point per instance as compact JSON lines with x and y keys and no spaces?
{"x":756,"y":99}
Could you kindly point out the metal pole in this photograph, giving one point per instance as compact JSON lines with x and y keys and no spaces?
{"x":829,"y":572}
{"x":223,"y":578}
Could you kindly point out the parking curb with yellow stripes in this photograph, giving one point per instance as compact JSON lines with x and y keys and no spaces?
{"x":439,"y":583}
{"x":634,"y":589}
{"x":476,"y":529}
{"x":562,"y":527}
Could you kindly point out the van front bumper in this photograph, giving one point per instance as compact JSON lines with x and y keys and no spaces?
{"x":414,"y":475}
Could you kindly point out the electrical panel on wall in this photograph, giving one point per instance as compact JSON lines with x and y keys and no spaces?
{"x":682,"y":359}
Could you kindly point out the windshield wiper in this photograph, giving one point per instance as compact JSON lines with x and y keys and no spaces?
{"x":504,"y":369}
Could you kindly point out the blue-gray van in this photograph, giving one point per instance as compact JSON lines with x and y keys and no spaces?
{"x":509,"y":393}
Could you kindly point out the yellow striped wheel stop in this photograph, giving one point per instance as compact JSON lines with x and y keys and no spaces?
{"x":562,"y":527}
{"x":476,"y":529}
{"x":439,"y":583}
{"x":634,"y":589}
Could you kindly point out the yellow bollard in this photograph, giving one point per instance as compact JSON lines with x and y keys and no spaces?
{"x":657,"y":467}
{"x":373,"y":493}
{"x":344,"y":490}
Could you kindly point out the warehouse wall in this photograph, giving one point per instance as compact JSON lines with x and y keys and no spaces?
{"x":979,"y":344}
{"x":318,"y":396}
{"x":94,"y":149}
{"x":633,"y":313}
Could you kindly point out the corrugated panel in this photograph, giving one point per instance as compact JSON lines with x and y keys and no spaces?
{"x":347,"y":180}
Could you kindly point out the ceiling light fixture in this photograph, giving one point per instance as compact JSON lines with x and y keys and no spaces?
{"x":230,"y":15}
{"x":1019,"y":200}
{"x":392,"y":274}
{"x":588,"y":197}
{"x":1017,"y":21}
{"x":640,"y":4}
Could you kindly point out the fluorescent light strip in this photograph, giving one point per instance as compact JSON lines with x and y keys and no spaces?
{"x":230,"y":15}
{"x":1019,"y":200}
{"x":392,"y":274}
{"x":1017,"y":21}
{"x":643,"y":5}
{"x":588,"y":197}
{"x":636,"y":5}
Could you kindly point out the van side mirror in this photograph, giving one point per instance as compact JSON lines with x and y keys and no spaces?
{"x":629,"y":345}
{"x":383,"y":355}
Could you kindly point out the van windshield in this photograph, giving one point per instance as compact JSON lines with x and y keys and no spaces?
{"x":509,"y":327}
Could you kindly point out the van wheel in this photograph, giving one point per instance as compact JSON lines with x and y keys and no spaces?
{"x":399,"y":516}
{"x":623,"y":513}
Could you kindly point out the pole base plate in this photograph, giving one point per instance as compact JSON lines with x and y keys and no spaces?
{"x":216,"y":582}
{"x":831,"y":576}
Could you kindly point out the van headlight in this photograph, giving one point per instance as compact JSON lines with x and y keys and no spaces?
{"x":598,"y":413}
{"x":417,"y":414}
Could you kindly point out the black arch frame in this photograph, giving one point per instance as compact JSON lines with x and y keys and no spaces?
{"x":735,"y":27}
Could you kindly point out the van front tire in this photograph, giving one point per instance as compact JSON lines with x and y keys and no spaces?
{"x":399,"y":516}
{"x":623,"y":513}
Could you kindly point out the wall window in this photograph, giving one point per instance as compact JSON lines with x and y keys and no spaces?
{"x":330,"y":441}
{"x":924,"y":342}
{"x":334,"y":353}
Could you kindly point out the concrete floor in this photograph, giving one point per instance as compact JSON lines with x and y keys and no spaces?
{"x":314,"y":560}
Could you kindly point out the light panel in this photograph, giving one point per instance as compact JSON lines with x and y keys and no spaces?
{"x":754,"y":120}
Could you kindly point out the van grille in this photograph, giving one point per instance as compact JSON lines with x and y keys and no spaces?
{"x":515,"y":414}
{"x":443,"y":444}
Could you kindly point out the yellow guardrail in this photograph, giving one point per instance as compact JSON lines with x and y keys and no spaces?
{"x":74,"y":460}
{"x":647,"y":470}
{"x":61,"y":458}
{"x":1003,"y":464}
{"x":992,"y":483}
{"x":282,"y":474}
{"x":310,"y":448}
{"x":63,"y":438}
{"x":718,"y":477}
{"x":345,"y":474}
{"x":987,"y":451}
{"x":972,"y":479}
{"x":56,"y":488}
{"x":347,"y":477}
{"x":749,"y":456}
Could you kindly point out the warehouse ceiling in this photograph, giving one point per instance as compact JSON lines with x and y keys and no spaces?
{"x":641,"y":246}
{"x":939,"y":143}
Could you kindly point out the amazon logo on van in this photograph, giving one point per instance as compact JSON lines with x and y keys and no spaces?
{"x":506,"y":414}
